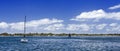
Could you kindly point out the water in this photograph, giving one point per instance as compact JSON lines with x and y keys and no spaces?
{"x":60,"y":44}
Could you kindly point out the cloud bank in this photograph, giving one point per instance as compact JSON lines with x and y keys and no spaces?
{"x":96,"y":15}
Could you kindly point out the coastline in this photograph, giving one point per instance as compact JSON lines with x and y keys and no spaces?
{"x":51,"y":34}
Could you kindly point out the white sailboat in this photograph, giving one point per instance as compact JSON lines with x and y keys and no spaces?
{"x":24,"y":40}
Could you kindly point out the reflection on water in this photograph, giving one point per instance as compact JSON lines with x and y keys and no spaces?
{"x":61,"y":44}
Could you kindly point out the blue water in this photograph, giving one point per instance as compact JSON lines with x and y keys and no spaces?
{"x":60,"y":44}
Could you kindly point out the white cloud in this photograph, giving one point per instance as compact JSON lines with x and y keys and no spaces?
{"x":101,"y":26}
{"x":114,"y":7}
{"x":3,"y":25}
{"x":54,"y":27}
{"x":96,"y":15}
{"x":34,"y":24}
{"x":116,"y":28}
{"x":113,"y":24}
{"x":113,"y":28}
{"x":17,"y":26}
{"x":78,"y":27}
{"x":92,"y":14}
{"x":59,"y":27}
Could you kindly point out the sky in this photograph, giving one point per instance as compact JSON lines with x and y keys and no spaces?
{"x":60,"y":16}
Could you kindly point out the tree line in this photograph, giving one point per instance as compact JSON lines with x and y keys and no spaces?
{"x":53,"y":34}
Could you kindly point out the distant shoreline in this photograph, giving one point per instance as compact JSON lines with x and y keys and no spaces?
{"x":51,"y":34}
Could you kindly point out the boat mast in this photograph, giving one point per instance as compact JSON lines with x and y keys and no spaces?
{"x":24,"y":40}
{"x":24,"y":26}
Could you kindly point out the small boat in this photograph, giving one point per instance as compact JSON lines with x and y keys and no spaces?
{"x":24,"y":40}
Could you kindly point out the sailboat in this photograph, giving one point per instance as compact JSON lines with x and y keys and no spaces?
{"x":24,"y":40}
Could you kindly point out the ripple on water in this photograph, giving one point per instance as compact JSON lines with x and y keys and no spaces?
{"x":38,"y":44}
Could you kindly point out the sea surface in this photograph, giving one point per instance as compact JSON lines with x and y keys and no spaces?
{"x":84,"y":43}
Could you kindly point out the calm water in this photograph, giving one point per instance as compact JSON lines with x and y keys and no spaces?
{"x":60,"y":44}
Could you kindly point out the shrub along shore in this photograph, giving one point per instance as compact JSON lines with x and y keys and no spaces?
{"x":51,"y":34}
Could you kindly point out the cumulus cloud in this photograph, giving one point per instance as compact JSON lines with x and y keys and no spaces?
{"x":54,"y":27}
{"x":101,"y":26}
{"x":34,"y":24}
{"x":97,"y":14}
{"x":16,"y":26}
{"x":114,"y":7}
{"x":3,"y":25}
{"x":78,"y":27}
{"x":114,"y":27}
{"x":113,"y":24}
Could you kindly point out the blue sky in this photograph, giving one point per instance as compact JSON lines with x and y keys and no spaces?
{"x":60,"y":16}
